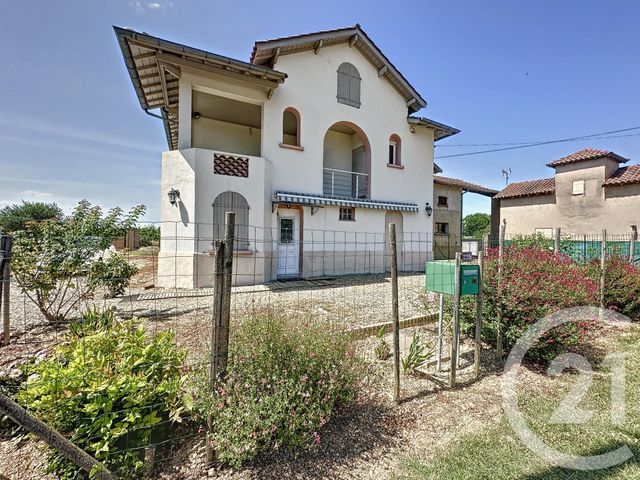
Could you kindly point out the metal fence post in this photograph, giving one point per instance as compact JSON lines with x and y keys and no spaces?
{"x":603,"y":259}
{"x":556,"y":240}
{"x":455,"y":327}
{"x":5,"y":286}
{"x":395,"y":312}
{"x":500,"y":269}
{"x":478,"y":332}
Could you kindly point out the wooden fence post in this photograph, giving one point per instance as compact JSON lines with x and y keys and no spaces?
{"x":485,"y":243}
{"x":556,"y":240}
{"x":5,"y":286}
{"x":223,"y":276}
{"x":603,"y":259}
{"x":394,"y":312}
{"x":503,"y":228}
{"x":632,"y":244}
{"x":439,"y":339}
{"x":455,"y":337}
{"x":54,"y":439}
{"x":478,"y":332}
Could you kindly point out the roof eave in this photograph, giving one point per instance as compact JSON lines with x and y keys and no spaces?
{"x":359,"y":35}
{"x":441,"y":130}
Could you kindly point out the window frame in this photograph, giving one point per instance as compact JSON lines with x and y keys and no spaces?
{"x":351,"y":215}
{"x":444,"y":204}
{"x":394,"y":140}
{"x":583,"y":189}
{"x":296,"y":115}
{"x":445,"y":224}
{"x":347,"y":72}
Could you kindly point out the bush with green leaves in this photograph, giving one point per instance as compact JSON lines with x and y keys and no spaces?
{"x":417,"y":356}
{"x":535,"y":283}
{"x":285,"y":379}
{"x":382,"y":348}
{"x":115,"y":273}
{"x":51,"y":259}
{"x":149,"y":236}
{"x":93,"y":320}
{"x":475,"y":225}
{"x":111,"y":393}
{"x":622,"y":284}
{"x":17,"y":216}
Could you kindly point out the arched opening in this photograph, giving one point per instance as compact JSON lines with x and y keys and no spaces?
{"x":346,"y":161}
{"x":232,"y":202}
{"x":291,"y":127}
{"x":395,"y":150}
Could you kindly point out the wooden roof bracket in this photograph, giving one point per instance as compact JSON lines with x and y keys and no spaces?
{"x":353,"y":40}
{"x":318,"y":47}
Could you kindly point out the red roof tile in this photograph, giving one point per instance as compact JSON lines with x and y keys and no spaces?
{"x":528,"y":189}
{"x":624,"y":176}
{"x":586,"y":154}
{"x":468,"y":186}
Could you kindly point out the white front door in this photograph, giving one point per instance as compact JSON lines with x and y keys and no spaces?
{"x":288,"y":243}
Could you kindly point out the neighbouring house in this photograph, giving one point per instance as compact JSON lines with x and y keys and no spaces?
{"x":447,"y":212}
{"x":315,"y":143}
{"x":590,"y":191}
{"x":130,"y":240}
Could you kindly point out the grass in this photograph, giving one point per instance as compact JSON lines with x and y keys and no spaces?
{"x":498,"y":454}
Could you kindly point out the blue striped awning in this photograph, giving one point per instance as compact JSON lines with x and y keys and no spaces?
{"x":314,"y":199}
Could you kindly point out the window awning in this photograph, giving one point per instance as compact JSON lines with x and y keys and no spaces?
{"x":314,"y":199}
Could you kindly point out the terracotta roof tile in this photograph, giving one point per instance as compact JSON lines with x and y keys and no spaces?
{"x":471,"y":187}
{"x":586,"y":154}
{"x":528,"y":189}
{"x":624,"y":176}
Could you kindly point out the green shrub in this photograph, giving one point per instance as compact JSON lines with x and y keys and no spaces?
{"x":51,"y":259}
{"x":535,"y":283}
{"x":149,"y":236}
{"x":111,"y":393}
{"x":115,"y":273}
{"x":16,"y":217}
{"x":93,"y":320}
{"x":416,"y":357}
{"x":622,"y":285}
{"x":382,"y":348}
{"x":285,"y":379}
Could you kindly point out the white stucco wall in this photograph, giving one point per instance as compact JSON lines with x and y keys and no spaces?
{"x":311,"y":88}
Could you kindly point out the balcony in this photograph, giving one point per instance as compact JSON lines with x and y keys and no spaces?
{"x":343,"y":183}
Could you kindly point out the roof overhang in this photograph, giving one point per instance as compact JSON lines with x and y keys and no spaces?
{"x":266,"y":53}
{"x":155,"y":66}
{"x":322,"y":200}
{"x":465,"y":186}
{"x":440,"y":129}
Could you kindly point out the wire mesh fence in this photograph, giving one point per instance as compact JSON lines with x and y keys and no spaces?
{"x":339,"y":278}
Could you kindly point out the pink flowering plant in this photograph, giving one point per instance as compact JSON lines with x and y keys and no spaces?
{"x":622,"y":284}
{"x":535,"y":282}
{"x":285,"y":379}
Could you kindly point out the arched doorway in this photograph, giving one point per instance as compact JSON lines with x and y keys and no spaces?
{"x":346,"y":162}
{"x":393,"y":217}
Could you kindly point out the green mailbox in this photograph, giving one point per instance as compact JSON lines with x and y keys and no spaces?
{"x":440,"y":277}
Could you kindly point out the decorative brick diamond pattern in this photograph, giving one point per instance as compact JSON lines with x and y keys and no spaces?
{"x":230,"y":165}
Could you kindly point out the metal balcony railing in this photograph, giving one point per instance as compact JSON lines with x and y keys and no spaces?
{"x":342,"y":183}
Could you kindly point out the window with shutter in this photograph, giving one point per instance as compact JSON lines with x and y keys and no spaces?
{"x":348,"y":85}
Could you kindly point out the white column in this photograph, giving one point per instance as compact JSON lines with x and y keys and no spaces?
{"x":184,"y":114}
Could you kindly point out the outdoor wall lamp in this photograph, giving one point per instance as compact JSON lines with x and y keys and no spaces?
{"x":428,"y":209}
{"x":173,"y":195}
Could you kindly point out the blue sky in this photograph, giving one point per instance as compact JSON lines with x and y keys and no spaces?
{"x":500,"y":71}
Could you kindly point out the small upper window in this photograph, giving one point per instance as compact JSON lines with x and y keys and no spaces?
{"x":442,"y":228}
{"x":291,"y":127}
{"x":578,"y":187}
{"x":394,"y":150}
{"x":349,"y":85}
{"x":347,"y":213}
{"x":443,"y":201}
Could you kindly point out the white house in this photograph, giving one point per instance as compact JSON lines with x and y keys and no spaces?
{"x":314,"y":143}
